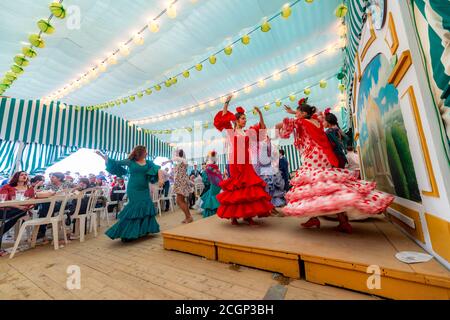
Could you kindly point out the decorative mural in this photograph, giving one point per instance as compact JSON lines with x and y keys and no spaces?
{"x":385,"y":152}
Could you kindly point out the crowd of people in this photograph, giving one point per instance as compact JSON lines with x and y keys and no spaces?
{"x":257,"y":181}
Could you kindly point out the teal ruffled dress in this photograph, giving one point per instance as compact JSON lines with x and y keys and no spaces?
{"x":209,"y":200}
{"x":138,"y":217}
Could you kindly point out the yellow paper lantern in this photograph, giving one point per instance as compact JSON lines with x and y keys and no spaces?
{"x":292,"y":97}
{"x":286,"y":11}
{"x":212,"y":59}
{"x":265,"y":27}
{"x":199,"y":67}
{"x":186,"y":74}
{"x":341,"y":11}
{"x":246,"y":39}
{"x":323,"y":84}
{"x":307,"y":91}
{"x":228,"y":50}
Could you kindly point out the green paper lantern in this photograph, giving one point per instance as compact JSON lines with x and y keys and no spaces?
{"x":340,"y":75}
{"x":267,"y":107}
{"x":4,"y":86}
{"x":7,"y":81}
{"x":29,"y":52}
{"x":36,"y":41}
{"x":132,"y":98}
{"x":341,"y":11}
{"x":168,"y":83}
{"x":341,"y":87}
{"x":228,"y":50}
{"x":1,"y":91}
{"x":245,"y":39}
{"x":286,"y":11}
{"x":140,"y":95}
{"x":254,"y":110}
{"x":265,"y":27}
{"x":45,"y":26}
{"x":157,"y":87}
{"x":278,"y":103}
{"x":148,"y":91}
{"x":307,"y":91}
{"x":117,"y":103}
{"x":17,"y":69}
{"x":323,"y":84}
{"x":186,"y":74}
{"x":124,"y":100}
{"x":112,"y":104}
{"x":174,"y":80}
{"x":11,"y":76}
{"x":20,"y":60}
{"x":58,"y":10}
{"x":199,"y":67}
{"x":212,"y":59}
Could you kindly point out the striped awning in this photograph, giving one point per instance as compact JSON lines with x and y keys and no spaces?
{"x":34,"y":122}
{"x":8,"y":153}
{"x":36,"y":158}
{"x":354,"y":20}
{"x":432,"y":20}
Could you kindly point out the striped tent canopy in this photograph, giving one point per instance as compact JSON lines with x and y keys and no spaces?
{"x":432,"y":20}
{"x":8,"y":153}
{"x":50,"y":133}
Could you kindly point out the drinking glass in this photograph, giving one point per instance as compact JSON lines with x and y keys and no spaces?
{"x":3,"y":197}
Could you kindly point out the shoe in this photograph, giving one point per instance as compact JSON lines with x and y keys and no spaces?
{"x":251,"y":222}
{"x":313,"y":222}
{"x":234,"y":222}
{"x":345,"y":228}
{"x":124,"y":240}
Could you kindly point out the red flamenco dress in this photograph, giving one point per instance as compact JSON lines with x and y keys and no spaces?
{"x":319,"y":188}
{"x":243,"y":194}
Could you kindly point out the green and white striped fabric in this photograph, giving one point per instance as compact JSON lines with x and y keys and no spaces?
{"x":36,"y":158}
{"x":354,"y":20}
{"x":8,"y":154}
{"x":33,"y":122}
{"x":293,"y":157}
{"x":432,"y":20}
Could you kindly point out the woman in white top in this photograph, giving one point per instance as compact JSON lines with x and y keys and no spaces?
{"x":181,"y":184}
{"x":353,"y":161}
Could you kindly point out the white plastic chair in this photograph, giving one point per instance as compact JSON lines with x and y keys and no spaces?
{"x":90,"y":213}
{"x":103,"y":211}
{"x":154,"y":191}
{"x":198,"y":188}
{"x":56,"y":222}
{"x":169,"y":198}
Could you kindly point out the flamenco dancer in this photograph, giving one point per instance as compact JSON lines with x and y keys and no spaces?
{"x":319,"y":187}
{"x":181,"y":185}
{"x":137,"y":218}
{"x":209,"y":199}
{"x":244,"y":194}
{"x":266,"y":167}
{"x":336,"y":137}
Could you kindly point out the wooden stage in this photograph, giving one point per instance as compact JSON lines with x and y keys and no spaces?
{"x":322,"y":256}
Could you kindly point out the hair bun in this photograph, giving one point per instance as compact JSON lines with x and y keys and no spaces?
{"x":313,"y":109}
{"x":240,"y":110}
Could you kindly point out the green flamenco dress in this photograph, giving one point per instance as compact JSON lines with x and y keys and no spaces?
{"x":138,"y":218}
{"x":209,"y":200}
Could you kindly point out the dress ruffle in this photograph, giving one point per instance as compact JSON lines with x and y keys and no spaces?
{"x":114,"y":168}
{"x":244,"y":196}
{"x":317,"y":192}
{"x":222,"y":122}
{"x":137,"y":219}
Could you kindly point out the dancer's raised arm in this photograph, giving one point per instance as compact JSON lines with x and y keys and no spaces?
{"x":261,"y":119}
{"x":226,"y":104}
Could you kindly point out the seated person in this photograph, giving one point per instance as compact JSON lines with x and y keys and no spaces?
{"x":18,"y":183}
{"x":192,"y":191}
{"x":119,"y":186}
{"x":57,"y":184}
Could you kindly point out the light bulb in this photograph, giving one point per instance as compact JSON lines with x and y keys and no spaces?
{"x":276,"y":76}
{"x":172,"y":11}
{"x":262,"y":83}
{"x":138,"y":39}
{"x":153,"y":26}
{"x":293,"y":69}
{"x":124,"y":50}
{"x":248,"y":89}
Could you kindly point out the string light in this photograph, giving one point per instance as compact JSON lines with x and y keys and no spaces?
{"x":248,"y":88}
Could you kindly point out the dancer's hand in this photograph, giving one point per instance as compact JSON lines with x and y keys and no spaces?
{"x":258,"y":110}
{"x":289,"y":109}
{"x":278,"y":126}
{"x":227,"y":102}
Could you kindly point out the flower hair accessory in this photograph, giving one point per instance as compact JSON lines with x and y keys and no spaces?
{"x":212,"y":153}
{"x":302,"y":101}
{"x":327,"y":111}
{"x":240,"y":110}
